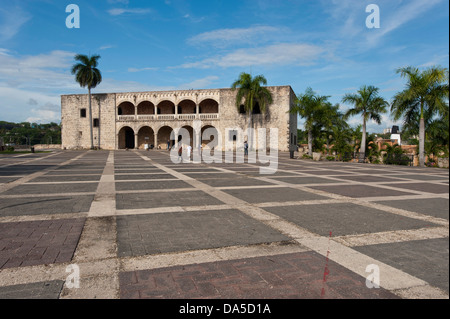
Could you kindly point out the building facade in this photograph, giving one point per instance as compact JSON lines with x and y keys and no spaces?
{"x":146,"y":119}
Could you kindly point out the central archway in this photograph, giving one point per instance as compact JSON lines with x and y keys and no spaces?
{"x":145,"y":136}
{"x":164,"y":137}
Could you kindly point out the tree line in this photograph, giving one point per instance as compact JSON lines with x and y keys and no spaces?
{"x":30,"y":133}
{"x":422,"y":105}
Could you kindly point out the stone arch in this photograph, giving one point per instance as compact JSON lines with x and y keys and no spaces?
{"x":209,"y":106}
{"x":126,"y":108}
{"x":145,"y":108}
{"x":126,"y":138}
{"x":164,"y":136}
{"x":166,"y":107}
{"x":146,"y":135}
{"x":187,"y":107}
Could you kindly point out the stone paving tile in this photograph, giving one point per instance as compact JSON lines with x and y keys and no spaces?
{"x":325,"y":172}
{"x":174,"y":232}
{"x":361,"y":190}
{"x":422,"y":177}
{"x":237,"y":181}
{"x":277,"y":194}
{"x":143,"y":176}
{"x":25,"y":189}
{"x":367,"y":178}
{"x":164,"y":199}
{"x":36,"y":290}
{"x":306,"y":180}
{"x":436,"y":207}
{"x":8,"y":179}
{"x":69,"y":178}
{"x":86,"y":172}
{"x":126,"y":186}
{"x":38,"y":242}
{"x":345,"y":219}
{"x":424,"y":259}
{"x":423,"y":187}
{"x":288,"y":276}
{"x":45,"y":205}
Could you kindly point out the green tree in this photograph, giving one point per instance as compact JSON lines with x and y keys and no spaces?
{"x":425,"y":92}
{"x":369,"y":104}
{"x":331,"y":117}
{"x":87,"y":75}
{"x":251,"y":92}
{"x":310,"y":107}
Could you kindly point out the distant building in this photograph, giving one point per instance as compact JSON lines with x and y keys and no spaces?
{"x":395,"y":134}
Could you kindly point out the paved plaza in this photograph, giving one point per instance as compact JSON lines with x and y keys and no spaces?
{"x":134,"y":224}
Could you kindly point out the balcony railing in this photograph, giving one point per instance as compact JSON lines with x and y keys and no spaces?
{"x":169,"y":117}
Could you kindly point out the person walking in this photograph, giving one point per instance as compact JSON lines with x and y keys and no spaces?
{"x":245,"y":148}
{"x":168,"y":145}
{"x":180,"y":153}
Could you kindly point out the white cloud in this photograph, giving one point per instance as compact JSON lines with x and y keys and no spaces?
{"x":120,"y":11}
{"x":12,"y":19}
{"x":349,"y":18}
{"x":227,"y":37}
{"x":133,"y":70}
{"x":200,"y":83}
{"x":106,"y":47}
{"x":118,"y":1}
{"x":277,"y":54}
{"x":46,"y":71}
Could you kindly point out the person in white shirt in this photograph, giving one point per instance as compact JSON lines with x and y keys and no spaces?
{"x":189,"y":150}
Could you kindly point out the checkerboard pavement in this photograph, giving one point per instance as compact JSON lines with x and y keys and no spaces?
{"x":137,"y":225}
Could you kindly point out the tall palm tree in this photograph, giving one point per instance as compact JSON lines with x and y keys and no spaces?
{"x":252,"y":91}
{"x":369,"y":104}
{"x":310,"y":107}
{"x":425,"y":91}
{"x":87,"y":75}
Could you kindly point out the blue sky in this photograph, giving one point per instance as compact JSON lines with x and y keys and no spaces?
{"x":175,"y":44}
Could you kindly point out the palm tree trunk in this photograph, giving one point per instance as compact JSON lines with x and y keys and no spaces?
{"x":310,"y":138}
{"x":422,"y":142}
{"x":362,"y":149}
{"x":90,"y":119}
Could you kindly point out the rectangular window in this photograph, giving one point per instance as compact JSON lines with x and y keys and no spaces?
{"x":83,"y":113}
{"x":96,"y":122}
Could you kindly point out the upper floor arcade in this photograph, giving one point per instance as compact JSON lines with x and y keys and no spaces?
{"x":169,"y":107}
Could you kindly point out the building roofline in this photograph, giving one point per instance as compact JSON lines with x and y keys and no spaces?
{"x":171,"y":91}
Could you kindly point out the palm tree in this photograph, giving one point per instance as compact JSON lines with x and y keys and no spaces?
{"x":331,"y":117}
{"x":253,"y":93}
{"x":87,"y":75}
{"x":310,"y":107}
{"x":368,"y":103}
{"x":425,"y":91}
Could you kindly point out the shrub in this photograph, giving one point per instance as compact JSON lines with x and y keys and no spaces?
{"x":306,"y":156}
{"x":10,"y":148}
{"x":330,"y":158}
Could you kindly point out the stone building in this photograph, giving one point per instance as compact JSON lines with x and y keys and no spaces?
{"x":146,"y":119}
